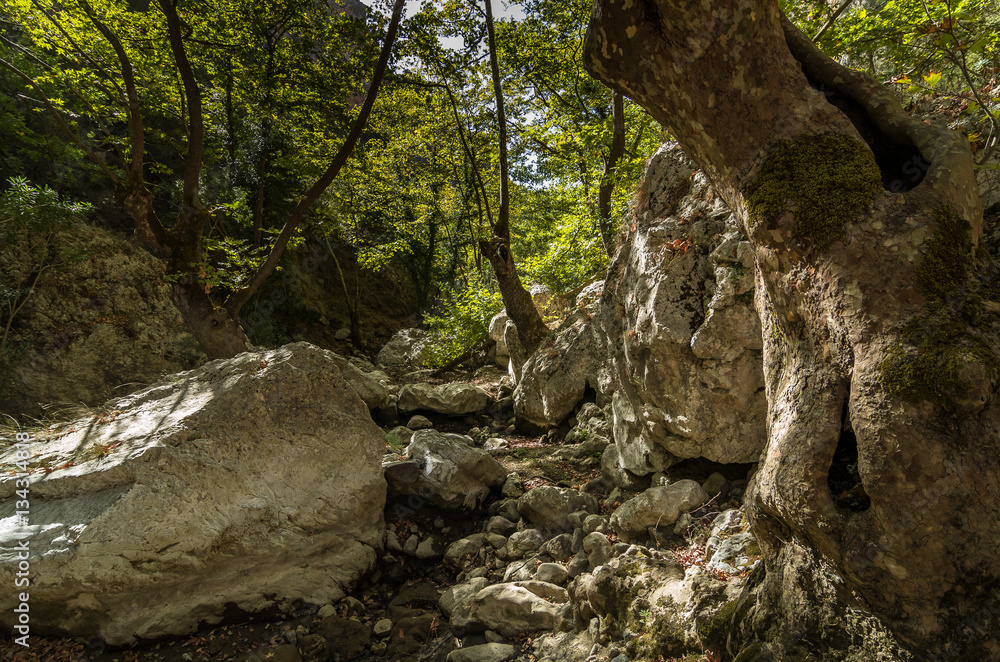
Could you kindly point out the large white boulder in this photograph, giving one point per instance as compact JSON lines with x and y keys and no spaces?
{"x":254,"y":481}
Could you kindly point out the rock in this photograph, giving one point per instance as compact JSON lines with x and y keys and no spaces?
{"x":498,"y":324}
{"x":180,"y":493}
{"x":449,"y":399}
{"x":460,"y":596}
{"x":342,"y":334}
{"x":453,"y":474}
{"x":495,"y":444}
{"x":549,"y":507}
{"x":560,"y":547}
{"x":326,"y":611}
{"x":716,"y":487}
{"x":513,"y":487}
{"x":595,"y":523}
{"x":684,"y":338}
{"x":657,"y":506}
{"x":524,"y":541}
{"x":551,"y":573}
{"x":382,"y":627}
{"x":557,"y":375}
{"x":372,"y":392}
{"x":430,"y":548}
{"x":94,"y":324}
{"x":347,"y":638}
{"x":615,"y":474}
{"x":461,"y":552}
{"x":314,"y":648}
{"x":590,"y":295}
{"x":579,"y":564}
{"x":735,"y":554}
{"x":516,"y":351}
{"x":513,"y":608}
{"x":500,"y":525}
{"x":546,"y":302}
{"x":598,"y":548}
{"x":482,"y":653}
{"x":410,"y":634}
{"x":405,"y":350}
{"x":419,"y":422}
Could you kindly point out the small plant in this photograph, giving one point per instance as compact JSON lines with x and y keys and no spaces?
{"x":394,"y":441}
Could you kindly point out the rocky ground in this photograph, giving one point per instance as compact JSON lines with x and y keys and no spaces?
{"x":501,"y":546}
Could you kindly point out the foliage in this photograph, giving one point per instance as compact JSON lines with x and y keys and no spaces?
{"x":927,"y":48}
{"x":562,"y":247}
{"x":464,"y":318}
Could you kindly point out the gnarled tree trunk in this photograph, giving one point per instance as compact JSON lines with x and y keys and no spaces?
{"x":879,"y":333}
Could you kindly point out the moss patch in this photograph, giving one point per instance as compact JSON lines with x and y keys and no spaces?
{"x":956,"y":328}
{"x":828,"y":180}
{"x":714,"y":631}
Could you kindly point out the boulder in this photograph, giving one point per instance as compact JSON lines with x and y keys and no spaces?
{"x":657,"y":506}
{"x":556,"y":377}
{"x":453,"y":474}
{"x":405,"y":350}
{"x":448,"y":399}
{"x":516,"y":607}
{"x":492,"y":652}
{"x":683,"y":337}
{"x":160,"y":510}
{"x":368,"y":389}
{"x":548,"y":507}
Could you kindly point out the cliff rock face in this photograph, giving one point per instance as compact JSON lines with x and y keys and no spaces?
{"x":254,"y":481}
{"x":103,"y":320}
{"x":684,"y":340}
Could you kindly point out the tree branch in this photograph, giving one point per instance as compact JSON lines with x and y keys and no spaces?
{"x":240,"y":297}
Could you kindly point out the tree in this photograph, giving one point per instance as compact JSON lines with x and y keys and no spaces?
{"x":154,"y":76}
{"x":531,"y":330}
{"x":878,"y":309}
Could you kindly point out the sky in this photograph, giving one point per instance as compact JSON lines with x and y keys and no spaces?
{"x":501,"y":9}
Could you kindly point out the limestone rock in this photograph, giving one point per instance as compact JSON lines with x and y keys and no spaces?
{"x":368,"y":389}
{"x":555,"y":378}
{"x":492,"y":652}
{"x":179,"y":494}
{"x":657,"y":506}
{"x":453,"y":474}
{"x":684,"y":339}
{"x":404,"y":350}
{"x":549,"y":507}
{"x":449,"y":399}
{"x":516,"y":607}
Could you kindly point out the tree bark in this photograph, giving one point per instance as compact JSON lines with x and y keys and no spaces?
{"x":517,"y":300}
{"x":853,"y":310}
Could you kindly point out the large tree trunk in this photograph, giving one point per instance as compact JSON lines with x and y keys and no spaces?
{"x":877,"y":330}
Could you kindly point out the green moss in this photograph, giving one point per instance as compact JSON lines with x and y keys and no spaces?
{"x":714,"y":631}
{"x":662,"y":639}
{"x":956,"y":328}
{"x":827,"y":180}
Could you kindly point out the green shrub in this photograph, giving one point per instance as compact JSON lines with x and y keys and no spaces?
{"x":464,"y":318}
